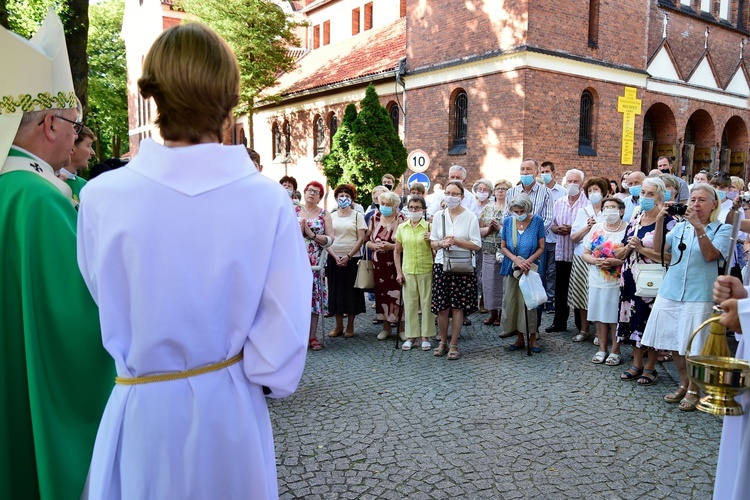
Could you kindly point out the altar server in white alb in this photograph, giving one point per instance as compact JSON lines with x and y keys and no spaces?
{"x":204,"y":288}
{"x":733,"y":470}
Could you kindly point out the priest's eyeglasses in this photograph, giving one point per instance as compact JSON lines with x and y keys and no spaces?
{"x":77,"y":126}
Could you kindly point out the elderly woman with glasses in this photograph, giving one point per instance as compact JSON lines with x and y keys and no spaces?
{"x":522,"y":243}
{"x":317,"y":229}
{"x":491,"y":227}
{"x":685,"y":299}
{"x":380,"y":233}
{"x":343,"y":258}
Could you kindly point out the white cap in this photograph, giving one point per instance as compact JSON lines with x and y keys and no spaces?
{"x":36,"y":76}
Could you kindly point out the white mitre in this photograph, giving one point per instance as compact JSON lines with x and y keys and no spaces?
{"x":36,"y":77}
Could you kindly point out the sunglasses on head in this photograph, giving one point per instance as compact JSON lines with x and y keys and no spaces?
{"x":723,"y":175}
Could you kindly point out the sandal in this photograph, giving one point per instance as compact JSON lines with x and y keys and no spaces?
{"x":453,"y":352}
{"x":335,"y":333}
{"x":349,"y":334}
{"x":440,"y":350}
{"x":581,"y":337}
{"x":406,"y":346}
{"x":631,"y":373}
{"x":496,"y":322}
{"x":426,"y":346}
{"x":315,"y":345}
{"x":491,"y":320}
{"x":664,"y":357}
{"x":686,"y":404}
{"x":599,"y":357}
{"x":613,"y":359}
{"x":648,"y":377}
{"x":676,"y":396}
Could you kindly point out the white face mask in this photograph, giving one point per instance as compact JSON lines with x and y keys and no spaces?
{"x":452,"y":201}
{"x":611,"y":215}
{"x":595,"y":198}
{"x":573,"y":189}
{"x":625,"y":184}
{"x":415,"y":216}
{"x":481,"y":195}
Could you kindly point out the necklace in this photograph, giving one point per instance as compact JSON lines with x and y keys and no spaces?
{"x":606,"y":226}
{"x":313,"y":212}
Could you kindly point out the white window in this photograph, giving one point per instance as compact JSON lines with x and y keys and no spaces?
{"x":706,"y":5}
{"x":724,"y":9}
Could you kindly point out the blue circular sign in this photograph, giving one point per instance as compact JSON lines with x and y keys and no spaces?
{"x":420,"y":178}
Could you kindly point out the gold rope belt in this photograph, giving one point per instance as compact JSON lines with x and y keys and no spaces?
{"x":164,"y":377}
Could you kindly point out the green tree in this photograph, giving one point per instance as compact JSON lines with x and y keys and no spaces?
{"x":259,"y":33}
{"x":334,"y":163}
{"x":108,"y":97}
{"x":375,"y":148}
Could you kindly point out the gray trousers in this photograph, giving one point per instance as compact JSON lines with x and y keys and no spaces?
{"x":548,"y":279}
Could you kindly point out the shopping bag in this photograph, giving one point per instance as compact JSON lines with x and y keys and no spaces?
{"x":532,"y":289}
{"x":365,"y":275}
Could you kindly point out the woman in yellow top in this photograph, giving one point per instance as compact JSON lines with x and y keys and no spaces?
{"x":414,"y":272}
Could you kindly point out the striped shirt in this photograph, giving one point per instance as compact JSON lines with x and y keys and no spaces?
{"x":541,"y":199}
{"x":565,"y":214}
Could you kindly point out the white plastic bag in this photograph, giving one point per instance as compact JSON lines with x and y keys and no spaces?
{"x":532,"y":289}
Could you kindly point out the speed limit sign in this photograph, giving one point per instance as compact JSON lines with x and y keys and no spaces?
{"x":418,"y":161}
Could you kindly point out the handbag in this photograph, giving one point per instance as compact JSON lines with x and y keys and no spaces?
{"x":648,"y":278}
{"x":457,"y":261}
{"x":365,"y":275}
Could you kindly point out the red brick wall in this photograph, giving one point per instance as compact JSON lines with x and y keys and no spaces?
{"x":441,"y":31}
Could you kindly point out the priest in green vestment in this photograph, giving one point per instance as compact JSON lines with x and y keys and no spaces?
{"x":55,"y":376}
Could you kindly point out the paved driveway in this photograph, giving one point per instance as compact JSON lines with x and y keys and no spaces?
{"x":370,"y":421}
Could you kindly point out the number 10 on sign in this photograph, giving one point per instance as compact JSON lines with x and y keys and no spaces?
{"x":418,"y":161}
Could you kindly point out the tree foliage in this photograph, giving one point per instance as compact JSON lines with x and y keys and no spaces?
{"x":108,"y":98}
{"x":375,"y":148}
{"x":334,"y":162}
{"x":258,"y":32}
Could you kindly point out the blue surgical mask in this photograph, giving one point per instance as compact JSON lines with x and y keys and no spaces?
{"x":595,"y":198}
{"x":520,"y":218}
{"x":647,"y":204}
{"x":386,"y":211}
{"x":667,"y":195}
{"x":722,"y":195}
{"x":546,"y":178}
{"x":635,"y":191}
{"x":344,"y":202}
{"x":527,"y":180}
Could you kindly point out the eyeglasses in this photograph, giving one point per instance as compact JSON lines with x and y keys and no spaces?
{"x":312,"y":191}
{"x":77,"y":126}
{"x":415,"y":209}
{"x":723,"y":175}
{"x":501,"y":189}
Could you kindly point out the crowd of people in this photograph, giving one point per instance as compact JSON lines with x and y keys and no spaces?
{"x":587,"y":238}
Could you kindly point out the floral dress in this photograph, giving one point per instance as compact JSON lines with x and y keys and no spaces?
{"x":604,"y":284}
{"x":634,"y":311}
{"x":319,"y":290}
{"x":387,"y":289}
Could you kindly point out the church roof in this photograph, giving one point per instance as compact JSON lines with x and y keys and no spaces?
{"x":370,"y":53}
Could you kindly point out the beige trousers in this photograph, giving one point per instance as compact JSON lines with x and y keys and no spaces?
{"x":418,"y":290}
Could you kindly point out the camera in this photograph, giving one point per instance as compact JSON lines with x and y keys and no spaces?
{"x":745,"y":198}
{"x":677,"y":209}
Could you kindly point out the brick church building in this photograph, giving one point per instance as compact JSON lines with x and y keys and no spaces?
{"x":604,"y":86}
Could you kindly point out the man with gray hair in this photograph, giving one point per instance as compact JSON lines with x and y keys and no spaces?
{"x":57,"y":377}
{"x":566,"y":209}
{"x":547,"y":171}
{"x":455,"y":173}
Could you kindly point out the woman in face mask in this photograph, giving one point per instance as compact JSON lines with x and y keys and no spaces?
{"x":578,"y":291}
{"x":455,"y":234}
{"x":289,"y":183}
{"x":522,"y":244}
{"x":599,"y":247}
{"x":380,"y":241}
{"x":482,"y":192}
{"x":414,"y":273}
{"x":634,"y":310}
{"x":490,"y":227}
{"x":343,"y":257}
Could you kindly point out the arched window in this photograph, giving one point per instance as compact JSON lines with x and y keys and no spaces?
{"x":459,"y":123}
{"x":394,"y":112}
{"x":585,"y":125}
{"x":333,"y":127}
{"x":276,"y":146}
{"x":320,"y":136}
{"x":287,"y":139}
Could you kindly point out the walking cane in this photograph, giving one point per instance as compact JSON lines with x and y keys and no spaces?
{"x":400,"y":313}
{"x":528,"y":332}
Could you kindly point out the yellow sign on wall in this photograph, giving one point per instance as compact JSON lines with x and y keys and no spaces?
{"x":629,"y":105}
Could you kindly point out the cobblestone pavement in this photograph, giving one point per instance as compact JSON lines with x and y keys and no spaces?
{"x":370,"y":421}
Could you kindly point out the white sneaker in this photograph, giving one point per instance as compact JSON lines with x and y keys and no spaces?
{"x":383,"y":335}
{"x":406,"y":346}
